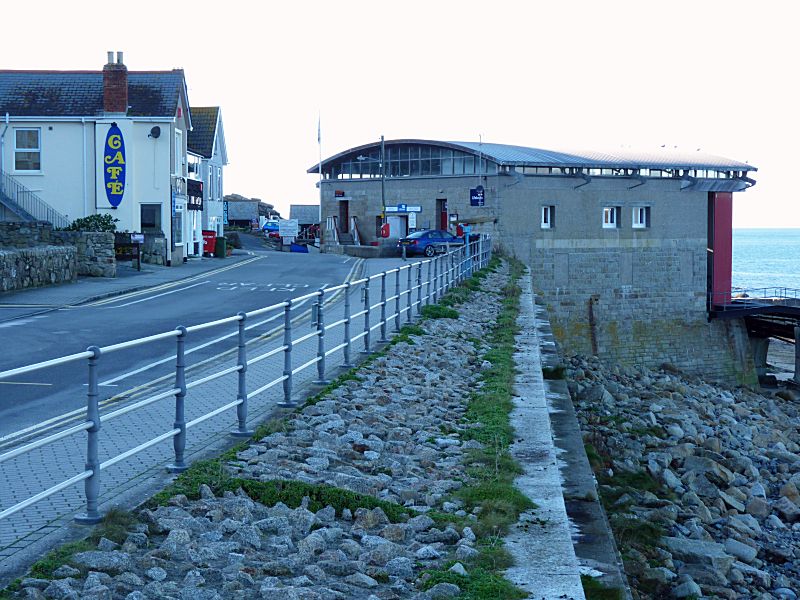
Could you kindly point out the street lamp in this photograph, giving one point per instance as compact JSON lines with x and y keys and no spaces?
{"x":383,"y":178}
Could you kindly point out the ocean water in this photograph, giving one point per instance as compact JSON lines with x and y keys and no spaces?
{"x":766,"y":258}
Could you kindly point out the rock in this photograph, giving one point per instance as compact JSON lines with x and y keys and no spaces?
{"x":789,"y":490}
{"x":427,"y":553}
{"x":400,"y":567}
{"x":741,"y":551}
{"x":784,"y":593}
{"x":758,"y":507}
{"x":731,"y":501}
{"x":699,"y":552}
{"x":109,"y":562}
{"x":787,"y":510}
{"x":444,"y":590}
{"x":688,"y":589}
{"x":458,"y":569}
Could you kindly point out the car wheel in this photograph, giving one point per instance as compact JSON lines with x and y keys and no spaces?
{"x":429,"y":251}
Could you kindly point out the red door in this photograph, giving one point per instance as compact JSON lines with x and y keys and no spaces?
{"x":441,"y":205}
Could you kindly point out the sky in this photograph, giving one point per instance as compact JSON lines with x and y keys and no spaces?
{"x":709,"y":74}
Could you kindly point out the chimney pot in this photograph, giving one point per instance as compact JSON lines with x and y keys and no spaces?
{"x":119,"y":58}
{"x":110,"y":57}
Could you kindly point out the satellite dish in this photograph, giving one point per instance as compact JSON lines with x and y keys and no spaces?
{"x":155,"y":132}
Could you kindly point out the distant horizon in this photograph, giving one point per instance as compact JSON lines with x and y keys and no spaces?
{"x":768,"y":227}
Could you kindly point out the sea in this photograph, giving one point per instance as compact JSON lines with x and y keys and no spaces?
{"x":766,"y":258}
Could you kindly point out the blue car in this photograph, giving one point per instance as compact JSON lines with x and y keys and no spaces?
{"x":428,"y":242}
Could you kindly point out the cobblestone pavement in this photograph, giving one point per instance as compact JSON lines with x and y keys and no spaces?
{"x":33,"y":472}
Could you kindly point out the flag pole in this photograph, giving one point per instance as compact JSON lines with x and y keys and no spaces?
{"x":319,"y":142}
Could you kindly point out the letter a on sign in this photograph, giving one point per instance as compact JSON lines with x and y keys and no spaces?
{"x":114,"y":165}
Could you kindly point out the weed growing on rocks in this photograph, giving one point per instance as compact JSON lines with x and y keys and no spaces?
{"x":437,"y":311}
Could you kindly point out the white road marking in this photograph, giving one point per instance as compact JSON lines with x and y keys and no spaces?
{"x":159,"y":295}
{"x":22,"y":383}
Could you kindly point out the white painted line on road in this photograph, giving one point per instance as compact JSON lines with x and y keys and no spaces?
{"x":22,"y":383}
{"x":169,"y":285}
{"x":158,"y":295}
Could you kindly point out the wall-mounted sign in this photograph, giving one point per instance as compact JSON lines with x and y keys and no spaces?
{"x":338,"y":193}
{"x":453,"y":217}
{"x":476,"y":196}
{"x":137,"y":238}
{"x":225,"y":212}
{"x":114,"y":165}
{"x":288,"y":228}
{"x":412,"y":220}
{"x":410,"y":208}
{"x":194,"y":192}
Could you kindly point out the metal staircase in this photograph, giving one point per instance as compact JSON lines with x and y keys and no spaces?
{"x":26,"y":204}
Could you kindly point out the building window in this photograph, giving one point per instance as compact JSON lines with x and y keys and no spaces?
{"x":641,"y":217}
{"x":611,"y":217}
{"x":177,"y":228}
{"x":151,"y":218}
{"x":27,"y":149}
{"x":548,"y":217}
{"x":180,"y":155}
{"x":219,"y":182}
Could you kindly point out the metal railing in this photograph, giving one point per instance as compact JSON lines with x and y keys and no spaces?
{"x":739,"y":299}
{"x":425,"y":282}
{"x":21,"y":198}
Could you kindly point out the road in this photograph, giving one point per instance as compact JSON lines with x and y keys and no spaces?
{"x":265,"y":279}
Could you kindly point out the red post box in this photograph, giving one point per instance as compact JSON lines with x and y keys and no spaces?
{"x":209,"y":241}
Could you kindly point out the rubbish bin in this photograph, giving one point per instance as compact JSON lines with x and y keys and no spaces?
{"x":220,"y":248}
{"x":209,"y":241}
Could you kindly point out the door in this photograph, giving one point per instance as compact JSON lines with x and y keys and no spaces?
{"x":398,"y":226}
{"x":344,"y":216}
{"x":441,"y":209}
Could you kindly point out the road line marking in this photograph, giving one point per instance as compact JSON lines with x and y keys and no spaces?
{"x":22,"y":383}
{"x":166,"y":286}
{"x":159,"y":295}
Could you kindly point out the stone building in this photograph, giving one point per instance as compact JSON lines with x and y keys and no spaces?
{"x":625,"y":247}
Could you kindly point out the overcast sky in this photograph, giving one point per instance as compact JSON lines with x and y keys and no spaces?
{"x":716,"y":75}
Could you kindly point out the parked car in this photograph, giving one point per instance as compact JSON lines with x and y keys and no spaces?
{"x":270,"y":229}
{"x":428,"y":242}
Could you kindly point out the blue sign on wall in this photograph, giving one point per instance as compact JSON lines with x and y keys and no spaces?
{"x":114,"y":165}
{"x":476,"y":197}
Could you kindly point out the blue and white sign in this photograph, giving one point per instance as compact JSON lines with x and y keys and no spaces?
{"x":476,"y":196}
{"x":406,"y":208}
{"x":114,"y":165}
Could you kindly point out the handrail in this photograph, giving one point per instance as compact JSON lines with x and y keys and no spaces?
{"x":34,"y":208}
{"x":443,"y":272}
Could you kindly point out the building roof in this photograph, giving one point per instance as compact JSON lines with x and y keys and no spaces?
{"x":204,"y":130}
{"x":80,"y":93}
{"x":304,"y":213}
{"x":504,"y":154}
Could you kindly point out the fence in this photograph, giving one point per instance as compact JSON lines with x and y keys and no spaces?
{"x":415,"y":285}
{"x":740,"y":299}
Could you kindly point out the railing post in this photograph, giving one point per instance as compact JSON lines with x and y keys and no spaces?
{"x":480,"y":252}
{"x":410,"y":302}
{"x":419,"y":287}
{"x":797,"y":354}
{"x":435,"y":279}
{"x":383,"y":308}
{"x":428,"y":283}
{"x":92,"y":484}
{"x":287,"y":357}
{"x":241,"y":409}
{"x":321,"y":339}
{"x":179,"y":441}
{"x":365,"y":291}
{"x":397,"y":301}
{"x":347,"y":344}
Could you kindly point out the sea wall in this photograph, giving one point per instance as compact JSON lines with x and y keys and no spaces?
{"x":640,"y":306}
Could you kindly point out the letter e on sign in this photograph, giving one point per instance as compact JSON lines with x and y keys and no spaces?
{"x":114,"y":165}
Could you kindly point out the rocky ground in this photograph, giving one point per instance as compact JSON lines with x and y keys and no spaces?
{"x":700,"y":482}
{"x":392,"y":434}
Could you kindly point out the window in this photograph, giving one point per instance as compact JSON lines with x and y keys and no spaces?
{"x":611,"y":217}
{"x":151,"y":218}
{"x":641,"y":217}
{"x":180,"y":155}
{"x":548,"y":217}
{"x":218,"y":187}
{"x":177,"y":228}
{"x":27,"y":149}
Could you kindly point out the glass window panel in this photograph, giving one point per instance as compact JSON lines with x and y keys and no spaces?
{"x":491,"y":169}
{"x":27,"y":139}
{"x":458,"y":165}
{"x":415,"y":167}
{"x":469,"y":165}
{"x":405,"y":168}
{"x":404,"y":152}
{"x":27,"y":161}
{"x":436,"y":166}
{"x":426,"y":167}
{"x":447,"y":166}
{"x":425,"y":152}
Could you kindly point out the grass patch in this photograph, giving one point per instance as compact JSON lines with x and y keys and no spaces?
{"x":437,"y":311}
{"x":457,"y":295}
{"x":594,"y":590}
{"x":479,"y":584}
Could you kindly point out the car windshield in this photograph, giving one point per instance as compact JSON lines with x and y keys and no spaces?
{"x":418,"y":235}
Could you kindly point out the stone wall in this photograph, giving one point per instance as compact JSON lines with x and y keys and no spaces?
{"x":35,"y":267}
{"x":24,"y":234}
{"x":640,"y":306}
{"x":154,"y":250}
{"x":95,"y":251}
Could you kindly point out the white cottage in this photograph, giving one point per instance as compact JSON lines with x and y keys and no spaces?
{"x":98,"y":142}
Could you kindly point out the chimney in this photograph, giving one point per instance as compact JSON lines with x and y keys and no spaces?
{"x":115,"y":85}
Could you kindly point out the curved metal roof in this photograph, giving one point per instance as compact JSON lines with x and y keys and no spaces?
{"x":504,"y":154}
